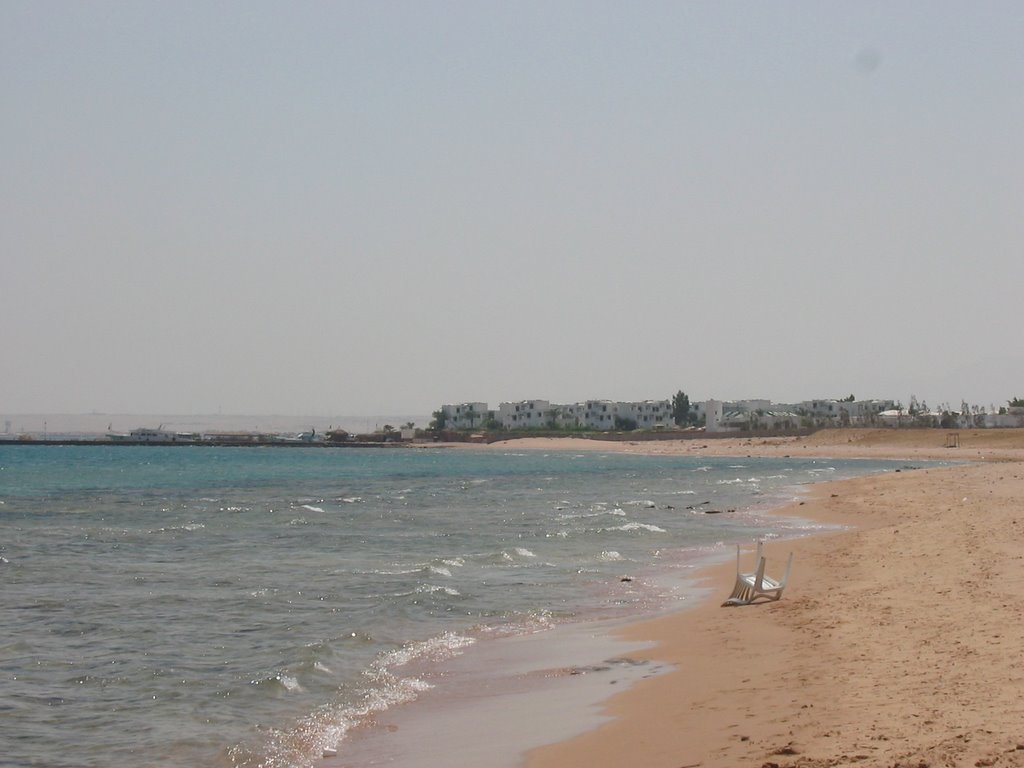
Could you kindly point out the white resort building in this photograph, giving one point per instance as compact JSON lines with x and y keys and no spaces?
{"x":600,"y":415}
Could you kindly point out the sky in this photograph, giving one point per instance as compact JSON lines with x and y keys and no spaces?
{"x":363,"y":208}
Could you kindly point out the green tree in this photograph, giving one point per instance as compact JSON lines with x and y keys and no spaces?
{"x":625,"y":424}
{"x":551,"y":417}
{"x":439,"y":421}
{"x":1017,"y":402}
{"x":681,"y":408}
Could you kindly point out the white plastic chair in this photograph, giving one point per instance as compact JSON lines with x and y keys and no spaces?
{"x":750,"y":586}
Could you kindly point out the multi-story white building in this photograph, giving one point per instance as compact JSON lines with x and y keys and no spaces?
{"x":465,"y":415}
{"x":845,"y":412}
{"x":526,"y":414}
{"x":647,"y":414}
{"x":598,"y":414}
{"x":589,"y":414}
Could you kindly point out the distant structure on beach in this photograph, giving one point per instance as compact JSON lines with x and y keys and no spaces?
{"x":165,"y":436}
{"x":595,"y":415}
{"x":755,"y":415}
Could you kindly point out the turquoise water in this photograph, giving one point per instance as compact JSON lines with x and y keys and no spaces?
{"x":248,"y":606}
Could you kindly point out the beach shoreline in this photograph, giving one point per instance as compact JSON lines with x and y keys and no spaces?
{"x":860,"y":443}
{"x":894,"y":644}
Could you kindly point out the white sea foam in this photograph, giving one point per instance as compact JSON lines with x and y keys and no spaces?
{"x":352,"y":500}
{"x":638,"y":527}
{"x":524,"y":552}
{"x":427,"y":589}
{"x":440,"y":571}
{"x":437,"y":648}
{"x":188,"y":527}
{"x":290,"y":683}
{"x":610,"y":555}
{"x":311,"y":508}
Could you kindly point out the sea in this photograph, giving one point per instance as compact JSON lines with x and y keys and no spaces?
{"x":264,"y":606}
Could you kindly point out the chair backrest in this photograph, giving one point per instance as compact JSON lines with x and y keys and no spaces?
{"x":759,"y":575}
{"x":757,"y":556}
{"x":785,"y":576}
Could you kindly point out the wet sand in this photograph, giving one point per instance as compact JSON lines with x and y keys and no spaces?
{"x":897,"y":642}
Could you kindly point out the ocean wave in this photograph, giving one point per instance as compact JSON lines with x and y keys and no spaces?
{"x":437,"y":648}
{"x":279,"y":681}
{"x":610,"y":555}
{"x":187,"y":527}
{"x":594,"y":512}
{"x":524,"y":552}
{"x":311,"y":508}
{"x":327,"y":726}
{"x":646,"y":503}
{"x":429,"y":589}
{"x":391,"y":572}
{"x":439,"y":570}
{"x":637,"y":527}
{"x":352,"y":499}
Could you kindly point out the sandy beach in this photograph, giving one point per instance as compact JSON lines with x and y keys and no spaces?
{"x":898,"y":641}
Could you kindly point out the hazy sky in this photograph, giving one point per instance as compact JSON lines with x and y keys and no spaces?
{"x":379,"y":207}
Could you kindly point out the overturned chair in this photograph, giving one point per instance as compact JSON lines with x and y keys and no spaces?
{"x":750,"y":586}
